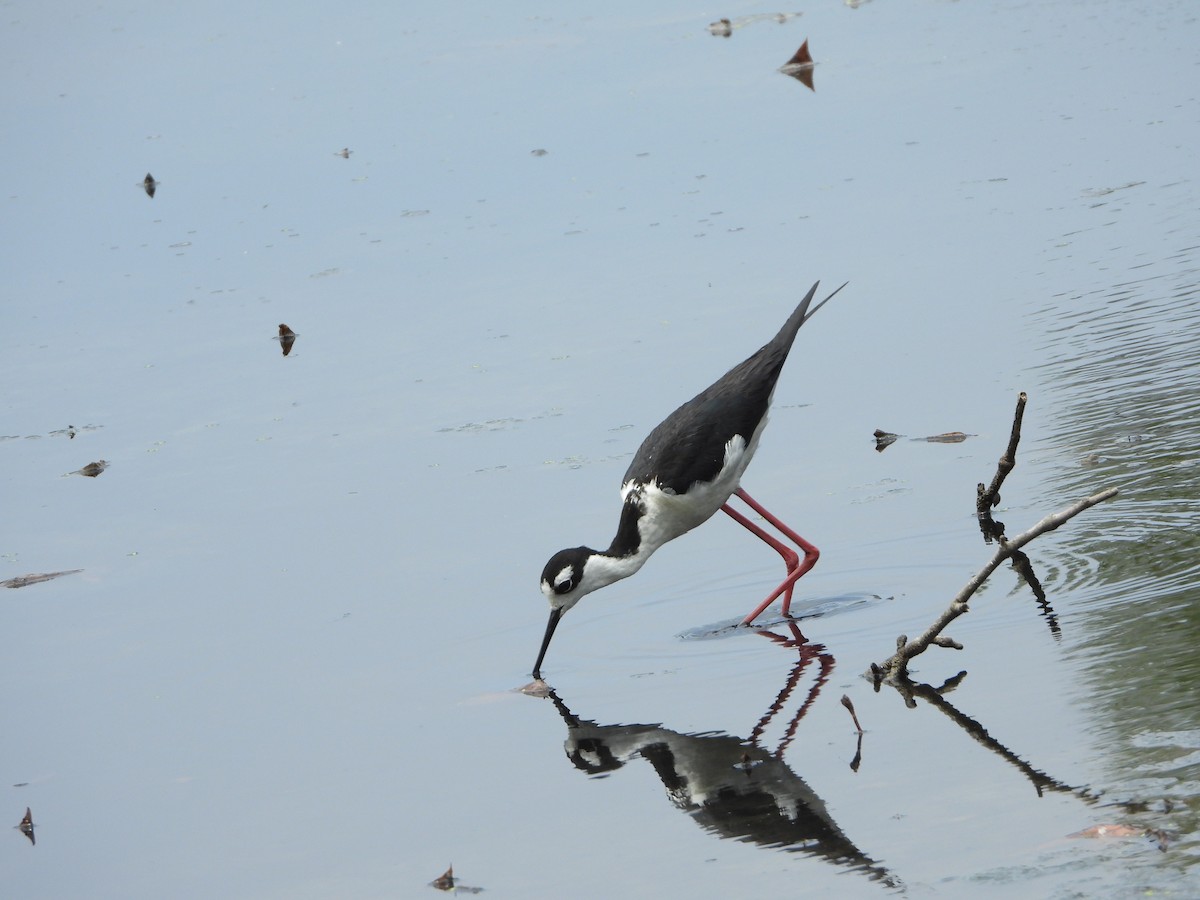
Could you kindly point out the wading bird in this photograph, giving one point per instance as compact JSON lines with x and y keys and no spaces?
{"x":688,"y":467}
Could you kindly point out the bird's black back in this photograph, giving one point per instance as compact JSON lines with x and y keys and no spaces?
{"x":689,"y":445}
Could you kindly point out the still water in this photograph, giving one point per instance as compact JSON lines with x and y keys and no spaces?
{"x":509,"y":241}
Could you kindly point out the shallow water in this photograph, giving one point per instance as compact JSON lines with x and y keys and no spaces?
{"x":308,"y":583}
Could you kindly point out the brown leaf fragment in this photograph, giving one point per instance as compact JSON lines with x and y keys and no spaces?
{"x":949,"y":437}
{"x":149,"y":185}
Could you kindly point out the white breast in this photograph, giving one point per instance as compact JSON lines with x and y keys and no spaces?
{"x":668,"y":515}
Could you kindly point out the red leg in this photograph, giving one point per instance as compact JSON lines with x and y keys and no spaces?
{"x":790,"y":558}
{"x":795,"y":568}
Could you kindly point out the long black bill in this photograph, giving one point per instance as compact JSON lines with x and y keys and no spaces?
{"x":555,"y":615}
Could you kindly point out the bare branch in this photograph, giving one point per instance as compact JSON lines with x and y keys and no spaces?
{"x":897,"y":664}
{"x":988,"y":497}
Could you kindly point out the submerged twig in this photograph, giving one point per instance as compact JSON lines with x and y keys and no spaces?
{"x":846,"y":702}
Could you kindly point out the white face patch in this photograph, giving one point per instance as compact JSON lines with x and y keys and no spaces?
{"x":563,"y":577}
{"x":549,"y":587}
{"x":563,"y":581}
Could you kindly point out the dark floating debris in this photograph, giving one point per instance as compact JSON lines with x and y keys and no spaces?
{"x":721,"y":28}
{"x":26,"y":826}
{"x":447,"y":882}
{"x":24,"y":580}
{"x":884,"y":439}
{"x":92,"y":469}
{"x":344,"y":153}
{"x":800,"y":66}
{"x":286,"y":338}
{"x":70,"y":431}
{"x":725,"y":27}
{"x":540,"y":151}
{"x":149,"y":185}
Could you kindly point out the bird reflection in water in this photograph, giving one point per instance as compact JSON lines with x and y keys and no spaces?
{"x":736,"y":788}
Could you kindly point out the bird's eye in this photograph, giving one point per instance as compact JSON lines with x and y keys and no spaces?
{"x":565,"y":586}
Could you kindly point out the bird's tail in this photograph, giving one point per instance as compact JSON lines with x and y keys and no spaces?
{"x":787,"y":334}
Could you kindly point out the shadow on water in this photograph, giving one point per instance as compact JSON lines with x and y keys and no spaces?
{"x":807,"y":608}
{"x":735,"y":788}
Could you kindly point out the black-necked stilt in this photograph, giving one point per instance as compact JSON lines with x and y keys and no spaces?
{"x":687,"y":469}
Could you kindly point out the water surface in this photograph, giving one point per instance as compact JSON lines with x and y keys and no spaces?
{"x":308,"y":582}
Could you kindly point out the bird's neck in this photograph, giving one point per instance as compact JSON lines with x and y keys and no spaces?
{"x":638,"y":535}
{"x":626,"y":554}
{"x":603,"y":568}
